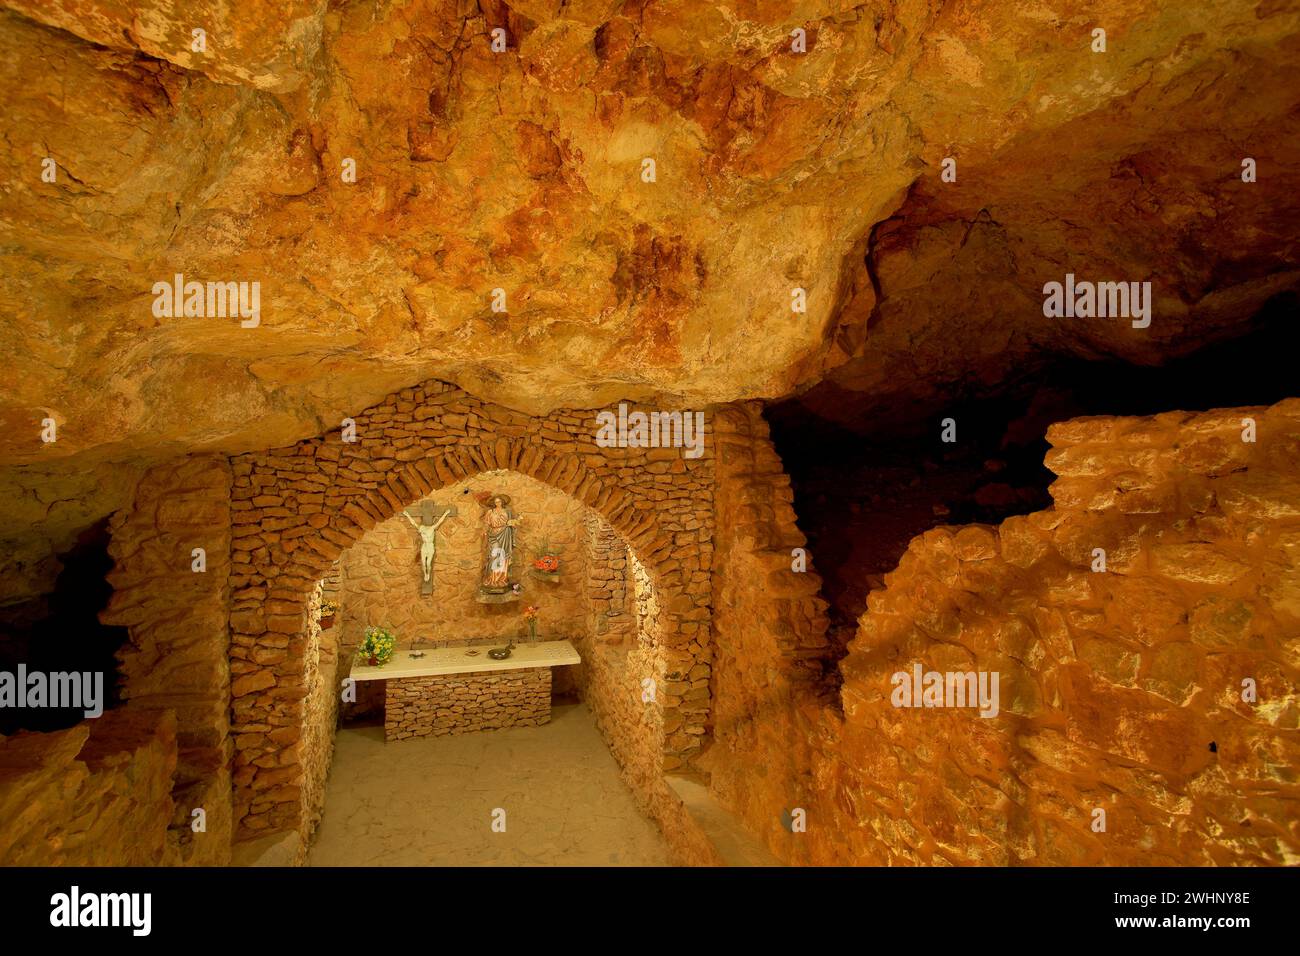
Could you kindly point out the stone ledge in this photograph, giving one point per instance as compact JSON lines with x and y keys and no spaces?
{"x":276,"y":849}
{"x":448,"y":661}
{"x":735,"y":845}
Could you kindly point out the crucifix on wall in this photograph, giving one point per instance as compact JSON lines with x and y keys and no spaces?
{"x":427,"y":529}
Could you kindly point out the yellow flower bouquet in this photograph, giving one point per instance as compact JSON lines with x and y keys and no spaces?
{"x":377,"y":646}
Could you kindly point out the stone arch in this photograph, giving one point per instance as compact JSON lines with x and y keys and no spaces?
{"x":333,"y":492}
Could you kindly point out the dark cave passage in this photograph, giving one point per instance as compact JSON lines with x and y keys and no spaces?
{"x":61,"y":633}
{"x":861,"y":495}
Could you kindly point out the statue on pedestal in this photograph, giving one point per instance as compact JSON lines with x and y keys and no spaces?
{"x":499,"y":525}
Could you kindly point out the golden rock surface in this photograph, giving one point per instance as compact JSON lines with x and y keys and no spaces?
{"x":522,"y":170}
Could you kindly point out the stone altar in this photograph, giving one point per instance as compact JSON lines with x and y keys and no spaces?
{"x":457,"y":690}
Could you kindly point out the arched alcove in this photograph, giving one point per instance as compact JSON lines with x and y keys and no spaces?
{"x":295,"y":511}
{"x":603,"y":602}
{"x":381,"y":580}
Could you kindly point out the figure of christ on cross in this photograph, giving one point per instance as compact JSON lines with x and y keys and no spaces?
{"x":427,"y":529}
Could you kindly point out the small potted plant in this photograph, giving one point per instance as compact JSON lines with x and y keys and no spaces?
{"x":328,"y":609}
{"x":530,"y":615}
{"x":376,"y":648}
{"x":547,"y":564}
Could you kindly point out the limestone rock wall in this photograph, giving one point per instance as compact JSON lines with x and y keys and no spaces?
{"x":536,"y":154}
{"x":382,"y":576}
{"x":1120,"y":690}
{"x":178,"y":655}
{"x":97,"y":794}
{"x":260,"y":44}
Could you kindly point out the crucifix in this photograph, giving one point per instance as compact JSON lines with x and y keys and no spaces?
{"x":427,"y":529}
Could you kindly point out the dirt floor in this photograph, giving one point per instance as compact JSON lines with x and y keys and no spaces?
{"x":430,"y":802}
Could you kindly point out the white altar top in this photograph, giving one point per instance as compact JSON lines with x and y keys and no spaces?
{"x":455,"y":660}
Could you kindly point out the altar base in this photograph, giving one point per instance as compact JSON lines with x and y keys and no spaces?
{"x":464,"y":703}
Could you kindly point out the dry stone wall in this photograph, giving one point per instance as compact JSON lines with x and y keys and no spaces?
{"x":770,"y":625}
{"x":624,"y":687}
{"x":623,"y":670}
{"x":178,"y":658}
{"x":609,"y":582}
{"x":1120,"y":690}
{"x":320,"y":711}
{"x":296,"y":509}
{"x":465,"y":703}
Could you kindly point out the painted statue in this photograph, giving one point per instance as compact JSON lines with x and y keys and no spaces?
{"x":499,"y":525}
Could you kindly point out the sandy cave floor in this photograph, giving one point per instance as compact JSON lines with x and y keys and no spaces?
{"x":429,"y":801}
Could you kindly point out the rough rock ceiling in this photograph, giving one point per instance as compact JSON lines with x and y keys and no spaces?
{"x":522,"y":170}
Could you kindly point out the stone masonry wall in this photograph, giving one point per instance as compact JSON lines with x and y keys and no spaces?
{"x":464,"y":703}
{"x":320,"y":714}
{"x":770,"y":623}
{"x":295,"y":510}
{"x":178,"y":655}
{"x":620,"y":653}
{"x":1120,"y":690}
{"x":97,"y":794}
{"x":611,"y":618}
{"x":633,"y":722}
{"x":609,"y":580}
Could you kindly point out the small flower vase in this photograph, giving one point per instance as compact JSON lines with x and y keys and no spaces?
{"x":374,"y":661}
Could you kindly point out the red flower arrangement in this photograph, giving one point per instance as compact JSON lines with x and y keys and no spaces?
{"x":548,"y":562}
